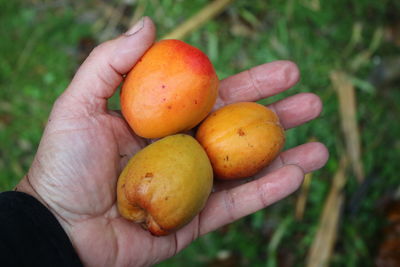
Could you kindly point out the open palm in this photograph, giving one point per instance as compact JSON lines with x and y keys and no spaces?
{"x":85,"y":147}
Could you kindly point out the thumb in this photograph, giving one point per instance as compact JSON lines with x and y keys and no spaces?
{"x":103,"y":70}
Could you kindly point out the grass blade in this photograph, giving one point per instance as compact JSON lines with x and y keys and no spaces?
{"x":348,"y":108}
{"x":325,"y":238}
{"x":204,"y":15}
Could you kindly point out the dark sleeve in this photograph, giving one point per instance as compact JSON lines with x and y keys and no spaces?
{"x":30,"y":235}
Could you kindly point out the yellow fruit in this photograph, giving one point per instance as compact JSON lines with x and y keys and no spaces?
{"x":241,"y":139}
{"x":166,"y":184}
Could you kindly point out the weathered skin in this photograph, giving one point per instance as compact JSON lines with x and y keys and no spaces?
{"x":166,"y":184}
{"x":241,"y":139}
{"x":171,"y":89}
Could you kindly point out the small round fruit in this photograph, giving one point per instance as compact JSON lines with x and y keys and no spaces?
{"x":166,"y":184}
{"x":241,"y":139}
{"x":170,"y":90}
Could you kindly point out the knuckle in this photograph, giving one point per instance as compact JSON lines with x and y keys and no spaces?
{"x":100,"y":49}
{"x":262,"y":193}
{"x":229,"y":202}
{"x":255,"y":83}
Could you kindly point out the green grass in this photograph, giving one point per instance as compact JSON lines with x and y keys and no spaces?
{"x":40,"y":52}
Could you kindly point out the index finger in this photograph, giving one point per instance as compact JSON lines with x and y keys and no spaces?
{"x":259,"y":82}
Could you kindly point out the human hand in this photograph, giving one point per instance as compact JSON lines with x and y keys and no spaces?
{"x":85,"y":147}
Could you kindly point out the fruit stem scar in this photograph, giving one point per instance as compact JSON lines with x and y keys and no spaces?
{"x":240,"y":132}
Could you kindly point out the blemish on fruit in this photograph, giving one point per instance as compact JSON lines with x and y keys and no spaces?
{"x":163,"y":86}
{"x":195,"y":102}
{"x":149,"y":174}
{"x":241,"y":132}
{"x":169,"y":107}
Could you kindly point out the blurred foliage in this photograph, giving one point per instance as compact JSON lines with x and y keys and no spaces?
{"x":45,"y":41}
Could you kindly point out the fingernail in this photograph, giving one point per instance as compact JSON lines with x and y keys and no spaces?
{"x":135,"y":28}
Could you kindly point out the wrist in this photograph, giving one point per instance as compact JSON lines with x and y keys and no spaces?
{"x":26,"y":187}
